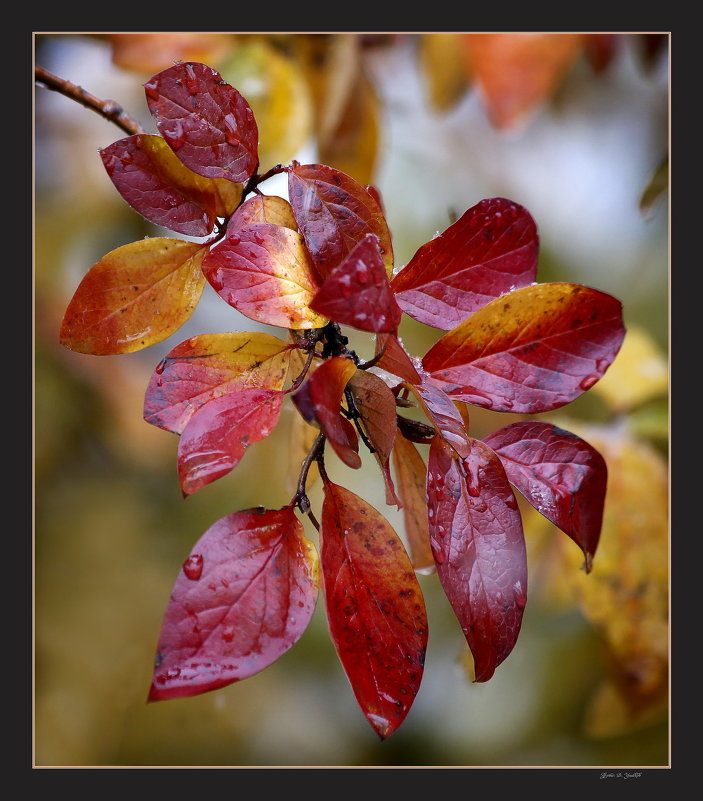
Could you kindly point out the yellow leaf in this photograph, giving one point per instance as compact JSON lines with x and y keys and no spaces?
{"x":638,"y":374}
{"x":445,"y":68}
{"x":276,"y":90}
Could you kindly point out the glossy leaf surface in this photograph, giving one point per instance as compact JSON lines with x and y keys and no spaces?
{"x":262,"y":209}
{"x":135,"y":296}
{"x":245,"y":595}
{"x":531,"y":350}
{"x":334,"y":213}
{"x":206,"y":122}
{"x":442,"y":414}
{"x":320,"y":398}
{"x":217,"y":435}
{"x":411,"y":477}
{"x":491,"y":249}
{"x":560,"y":474}
{"x":479,"y":548}
{"x":264,"y":272}
{"x":210,"y":365}
{"x":375,"y":609}
{"x":395,"y":359}
{"x":357,"y":291}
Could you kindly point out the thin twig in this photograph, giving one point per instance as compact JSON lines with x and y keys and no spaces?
{"x":300,"y":499}
{"x":107,"y":108}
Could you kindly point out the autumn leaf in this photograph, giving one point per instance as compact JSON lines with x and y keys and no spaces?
{"x":162,"y":189}
{"x":532,"y":350}
{"x":357,"y":291}
{"x":445,"y":71}
{"x":262,"y":209}
{"x":375,"y":609}
{"x":135,"y":296}
{"x":319,"y":399}
{"x":205,"y":121}
{"x":490,"y":250}
{"x":150,"y":52}
{"x":264,"y":272}
{"x":334,"y":213}
{"x":560,"y":474}
{"x":219,"y":432}
{"x":243,"y":598}
{"x":411,"y":477}
{"x":395,"y":359}
{"x":479,"y":549}
{"x":210,"y":365}
{"x":443,"y":414}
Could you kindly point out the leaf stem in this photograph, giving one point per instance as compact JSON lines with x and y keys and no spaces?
{"x":109,"y":109}
{"x":300,"y":499}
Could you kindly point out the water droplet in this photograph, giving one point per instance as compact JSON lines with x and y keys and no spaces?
{"x":426,"y":571}
{"x":191,"y":80}
{"x":439,"y":557}
{"x":360,"y":317}
{"x":228,"y":633}
{"x":160,"y":367}
{"x":258,"y":239}
{"x":430,"y":513}
{"x":231,"y":130}
{"x":508,"y":403}
{"x":520,"y":597}
{"x":176,"y":136}
{"x":193,"y":566}
{"x":345,"y":286}
{"x":234,"y":239}
{"x":511,"y":502}
{"x":362,"y":273}
{"x":472,"y":484}
{"x":441,"y":531}
{"x":588,"y":382}
{"x":602,"y":365}
{"x":152,"y":90}
{"x":479,"y":507}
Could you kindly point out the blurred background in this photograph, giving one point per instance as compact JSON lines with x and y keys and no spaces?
{"x":573,"y":126}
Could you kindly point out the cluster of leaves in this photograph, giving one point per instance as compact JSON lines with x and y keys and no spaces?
{"x":311,"y":264}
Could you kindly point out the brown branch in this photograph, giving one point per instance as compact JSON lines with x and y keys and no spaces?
{"x":107,"y":108}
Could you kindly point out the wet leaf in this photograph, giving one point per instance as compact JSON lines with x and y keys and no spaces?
{"x":334,"y":213}
{"x":411,"y":477}
{"x":444,"y":68}
{"x":219,"y":432}
{"x":560,"y":474}
{"x":245,"y":595}
{"x":150,"y":52}
{"x":155,"y":183}
{"x":206,"y":122}
{"x":490,"y":250}
{"x":135,"y":296}
{"x":531,"y":350}
{"x":375,"y":609}
{"x":264,"y":272}
{"x":516,"y":72}
{"x":376,"y":405}
{"x":319,"y":399}
{"x":262,"y":209}
{"x":275,"y":88}
{"x":396,"y":359}
{"x":479,"y":549}
{"x":639,"y":373}
{"x":357,"y":291}
{"x":442,"y":414}
{"x":205,"y":367}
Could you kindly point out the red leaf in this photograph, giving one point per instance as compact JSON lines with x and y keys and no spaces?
{"x":560,"y":474}
{"x":207,"y":123}
{"x":216,"y":436}
{"x":208,"y":366}
{"x":357,"y":291}
{"x":244,"y":596}
{"x":395,"y":359}
{"x":532,"y":350}
{"x":320,"y":398}
{"x":491,"y":249}
{"x":375,"y":608}
{"x":264,"y":272}
{"x":479,"y":548}
{"x":334,"y":214}
{"x":443,"y":414}
{"x":376,"y":405}
{"x":262,"y":209}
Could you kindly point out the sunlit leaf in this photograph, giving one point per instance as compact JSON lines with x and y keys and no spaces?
{"x":516,"y":72}
{"x":150,"y":52}
{"x":639,"y":373}
{"x":491,"y":249}
{"x":244,"y":596}
{"x":207,"y":123}
{"x":531,"y":350}
{"x":396,"y":359}
{"x":560,"y":474}
{"x":219,"y":432}
{"x":444,"y":67}
{"x":319,"y":399}
{"x":204,"y":367}
{"x":162,"y":189}
{"x":275,"y":88}
{"x":479,"y":549}
{"x":375,"y":609}
{"x":334,"y":213}
{"x":263,"y":209}
{"x":411,"y":477}
{"x":357,"y":291}
{"x":135,"y":296}
{"x":376,"y":405}
{"x":264,"y":272}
